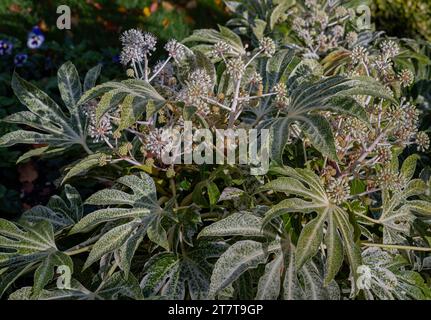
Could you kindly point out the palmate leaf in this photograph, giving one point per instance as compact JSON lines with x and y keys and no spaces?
{"x":311,"y":197}
{"x":245,"y":255}
{"x":133,"y":95}
{"x":318,"y":130}
{"x":329,"y":94}
{"x":208,"y":37}
{"x":259,"y":17}
{"x":139,"y":215}
{"x":398,"y":210}
{"x":24,"y":248}
{"x":55,"y":127}
{"x":113,"y":288}
{"x":307,"y":283}
{"x":60,"y":212}
{"x":174,"y":276}
{"x":387,"y":279}
{"x":274,"y":70}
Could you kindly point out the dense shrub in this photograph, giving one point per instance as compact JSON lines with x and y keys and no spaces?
{"x":343,"y":210}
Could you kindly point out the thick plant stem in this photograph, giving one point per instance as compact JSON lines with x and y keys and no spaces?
{"x":395,"y":246}
{"x":78,"y":251}
{"x":86,"y":148}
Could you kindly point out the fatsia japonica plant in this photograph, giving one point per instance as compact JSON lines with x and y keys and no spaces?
{"x":340,"y":214}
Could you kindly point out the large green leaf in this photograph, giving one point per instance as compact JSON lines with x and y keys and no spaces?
{"x":243,"y":224}
{"x":55,"y":128}
{"x":60,"y":212}
{"x":141,"y":216}
{"x":311,"y":197}
{"x":173,"y":276}
{"x":398,"y":210}
{"x":23,"y":248}
{"x":328,"y":94}
{"x":386,"y":278}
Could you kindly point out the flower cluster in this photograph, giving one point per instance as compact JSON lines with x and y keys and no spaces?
{"x":338,"y":190}
{"x":175,"y":49}
{"x":322,"y":28}
{"x":199,"y":86}
{"x":134,"y":46}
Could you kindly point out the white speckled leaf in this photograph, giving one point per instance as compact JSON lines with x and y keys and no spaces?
{"x":240,"y":257}
{"x":270,"y":283}
{"x":69,"y":84}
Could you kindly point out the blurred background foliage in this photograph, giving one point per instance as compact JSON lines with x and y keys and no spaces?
{"x":403,"y":18}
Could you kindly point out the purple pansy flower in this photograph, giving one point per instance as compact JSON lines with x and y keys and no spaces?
{"x":36,"y":30}
{"x":20,"y":59}
{"x":35,"y":38}
{"x":5,"y":47}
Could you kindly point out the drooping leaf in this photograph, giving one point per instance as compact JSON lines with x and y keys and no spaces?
{"x":60,"y":212}
{"x":240,"y":257}
{"x":27,"y":247}
{"x":172,"y":276}
{"x":141,"y":216}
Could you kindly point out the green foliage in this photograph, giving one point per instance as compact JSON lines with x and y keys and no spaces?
{"x":402,"y":19}
{"x":46,"y":115}
{"x":342,"y":213}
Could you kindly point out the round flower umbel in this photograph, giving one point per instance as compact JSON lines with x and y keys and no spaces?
{"x":132,"y":41}
{"x":149,"y":43}
{"x":406,"y":77}
{"x":201,"y":78}
{"x":341,"y":12}
{"x":220,"y":49}
{"x":351,"y":38}
{"x":390,"y":49}
{"x":281,"y":98}
{"x":236,"y":68}
{"x":99,"y":131}
{"x":155,"y":142}
{"x":5,"y":47}
{"x":175,"y":49}
{"x":388,"y":179}
{"x":136,"y":45}
{"x":199,"y":85}
{"x":422,"y":141}
{"x":384,"y":154}
{"x":267,"y":45}
{"x":338,"y":190}
{"x":20,"y":59}
{"x":359,"y":55}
